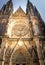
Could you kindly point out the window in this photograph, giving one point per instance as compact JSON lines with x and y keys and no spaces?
{"x":17,"y":64}
{"x":20,"y":64}
{"x":23,"y":64}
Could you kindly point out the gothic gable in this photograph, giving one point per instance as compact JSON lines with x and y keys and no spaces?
{"x":19,"y":13}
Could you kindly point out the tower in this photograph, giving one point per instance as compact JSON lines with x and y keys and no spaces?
{"x":5,"y":13}
{"x":37,"y":25}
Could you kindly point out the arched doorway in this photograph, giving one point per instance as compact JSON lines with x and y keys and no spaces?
{"x":20,"y":59}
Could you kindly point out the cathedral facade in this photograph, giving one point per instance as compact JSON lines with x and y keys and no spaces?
{"x":22,"y":36}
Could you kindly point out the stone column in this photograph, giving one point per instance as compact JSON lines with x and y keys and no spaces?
{"x":39,"y":51}
{"x":10,"y":62}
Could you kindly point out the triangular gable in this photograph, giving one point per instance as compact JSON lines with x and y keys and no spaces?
{"x":19,"y":12}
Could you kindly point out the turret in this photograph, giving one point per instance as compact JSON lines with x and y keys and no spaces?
{"x":30,"y":9}
{"x":9,"y":7}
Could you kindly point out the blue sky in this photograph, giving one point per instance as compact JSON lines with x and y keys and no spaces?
{"x":40,"y":4}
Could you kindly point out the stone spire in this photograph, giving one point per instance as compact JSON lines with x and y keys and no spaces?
{"x":30,"y":8}
{"x":3,"y":9}
{"x":9,"y":7}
